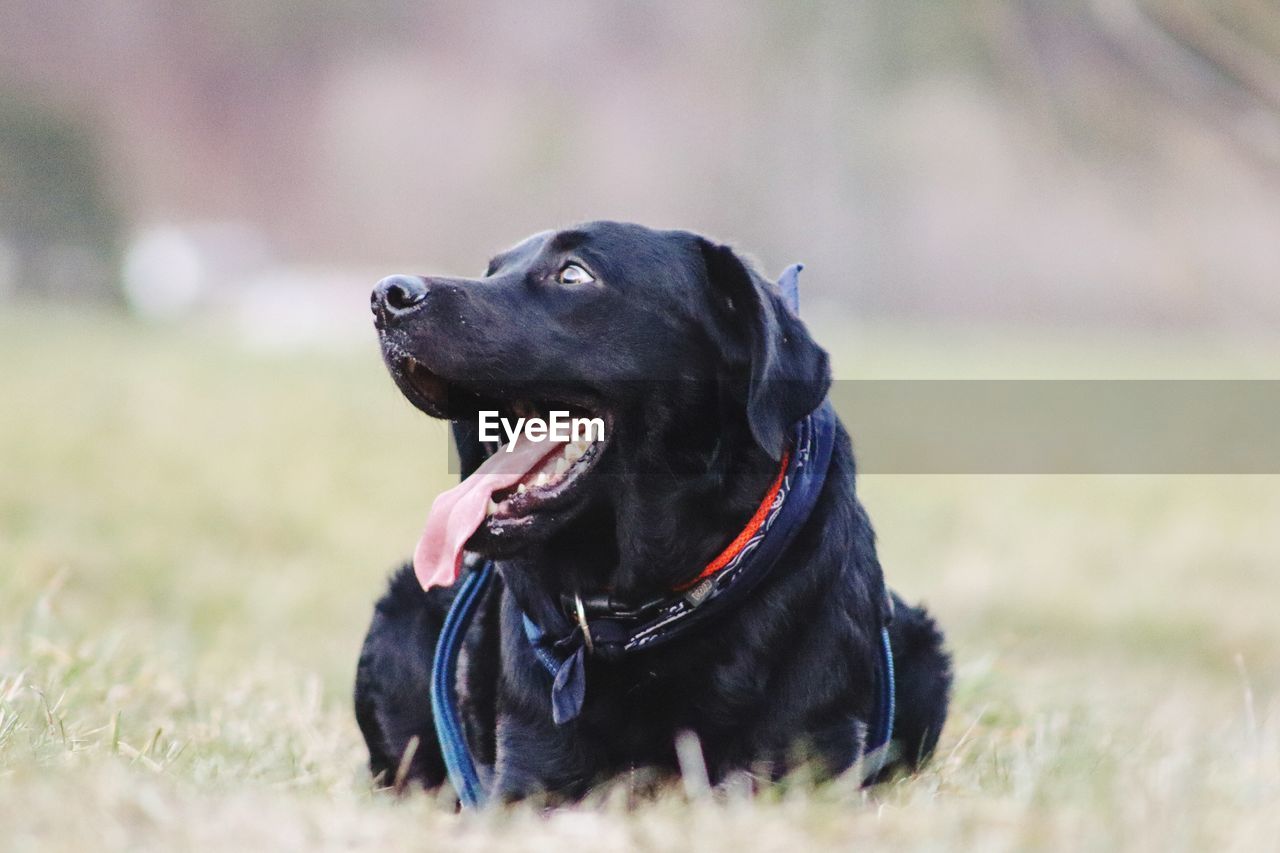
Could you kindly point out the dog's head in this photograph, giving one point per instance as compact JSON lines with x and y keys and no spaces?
{"x":681,"y":350}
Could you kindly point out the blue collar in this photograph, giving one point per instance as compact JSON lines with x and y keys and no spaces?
{"x":561,"y":643}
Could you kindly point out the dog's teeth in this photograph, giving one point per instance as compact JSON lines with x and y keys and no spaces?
{"x":522,"y":488}
{"x":562,"y":465}
{"x":541,"y":479}
{"x":493,"y":506}
{"x":573,"y":452}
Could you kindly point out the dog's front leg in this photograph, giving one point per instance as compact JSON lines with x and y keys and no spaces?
{"x":534,"y":756}
{"x":537,"y":758}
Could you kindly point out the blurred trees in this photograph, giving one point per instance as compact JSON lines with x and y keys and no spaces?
{"x":59,"y":229}
{"x":1083,"y":160}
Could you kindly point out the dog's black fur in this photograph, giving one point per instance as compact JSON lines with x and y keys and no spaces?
{"x":700,"y":369}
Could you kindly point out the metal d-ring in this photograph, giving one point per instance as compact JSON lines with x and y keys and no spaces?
{"x":581,"y":611}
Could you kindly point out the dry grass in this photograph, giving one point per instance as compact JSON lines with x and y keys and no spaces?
{"x":191,"y":536}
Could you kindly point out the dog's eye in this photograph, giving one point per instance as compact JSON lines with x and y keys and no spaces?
{"x":574,"y":274}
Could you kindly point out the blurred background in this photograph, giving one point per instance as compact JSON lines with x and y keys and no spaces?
{"x":1078,"y":162}
{"x":205,"y":473}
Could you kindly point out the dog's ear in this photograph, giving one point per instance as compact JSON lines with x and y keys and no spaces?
{"x":788,"y":374}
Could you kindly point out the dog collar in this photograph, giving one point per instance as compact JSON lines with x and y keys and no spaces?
{"x":565,"y":631}
{"x":581,"y":609}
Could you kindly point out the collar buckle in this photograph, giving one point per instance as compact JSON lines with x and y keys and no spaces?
{"x":580,"y":614}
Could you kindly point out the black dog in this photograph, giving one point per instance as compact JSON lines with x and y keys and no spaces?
{"x":700,"y":373}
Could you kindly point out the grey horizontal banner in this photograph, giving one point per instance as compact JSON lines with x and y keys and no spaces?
{"x":924,"y":426}
{"x":1062,"y":426}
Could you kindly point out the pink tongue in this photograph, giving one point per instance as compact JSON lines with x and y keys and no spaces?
{"x":459,"y":512}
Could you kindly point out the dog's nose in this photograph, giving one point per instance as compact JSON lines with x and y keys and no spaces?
{"x":397,"y":294}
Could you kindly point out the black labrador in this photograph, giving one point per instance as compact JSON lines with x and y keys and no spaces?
{"x":699,"y":371}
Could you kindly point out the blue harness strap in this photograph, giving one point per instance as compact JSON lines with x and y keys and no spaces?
{"x":789,"y":285}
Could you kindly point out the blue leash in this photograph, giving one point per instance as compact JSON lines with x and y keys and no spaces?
{"x":444,"y":688}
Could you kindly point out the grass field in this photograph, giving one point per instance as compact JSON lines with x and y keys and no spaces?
{"x":192,"y":533}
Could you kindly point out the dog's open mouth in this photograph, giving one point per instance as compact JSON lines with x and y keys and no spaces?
{"x":553,"y":476}
{"x":524,"y":479}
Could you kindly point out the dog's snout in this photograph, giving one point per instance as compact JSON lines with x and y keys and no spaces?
{"x":397,"y":294}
